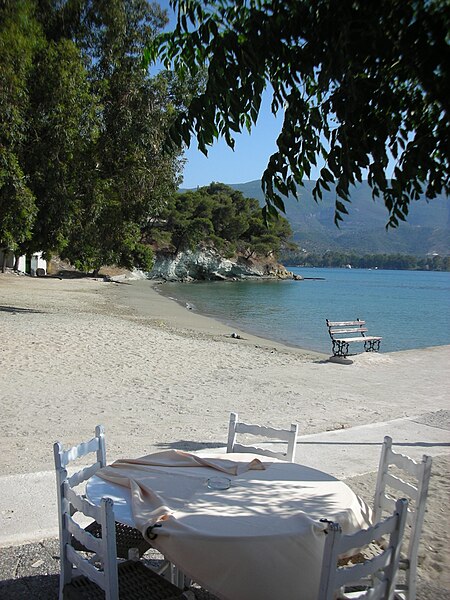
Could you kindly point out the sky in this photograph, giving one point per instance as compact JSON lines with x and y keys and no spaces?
{"x":251,"y":152}
{"x":245,"y":163}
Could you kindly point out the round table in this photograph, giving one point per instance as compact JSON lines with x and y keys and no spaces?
{"x":259,"y":539}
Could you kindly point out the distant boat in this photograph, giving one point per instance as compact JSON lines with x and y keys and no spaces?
{"x":348,"y":266}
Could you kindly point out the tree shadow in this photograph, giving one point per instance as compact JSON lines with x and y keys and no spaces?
{"x":81,"y":275}
{"x":346,"y":443}
{"x":17,"y":309}
{"x":73,"y":275}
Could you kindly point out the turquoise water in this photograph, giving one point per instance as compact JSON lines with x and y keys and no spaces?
{"x":409,"y":309}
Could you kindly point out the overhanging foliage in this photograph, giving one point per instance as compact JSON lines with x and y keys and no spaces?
{"x":358,"y":82}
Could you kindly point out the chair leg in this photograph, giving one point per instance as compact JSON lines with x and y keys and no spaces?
{"x":177,"y":576}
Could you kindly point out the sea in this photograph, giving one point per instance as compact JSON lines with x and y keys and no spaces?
{"x":409,"y":309}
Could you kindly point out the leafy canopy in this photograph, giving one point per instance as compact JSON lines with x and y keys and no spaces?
{"x":358,"y":82}
{"x":19,"y":39}
{"x":82,"y":126}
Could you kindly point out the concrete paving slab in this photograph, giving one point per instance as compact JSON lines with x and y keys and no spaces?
{"x":355,"y":451}
{"x":27,"y":507}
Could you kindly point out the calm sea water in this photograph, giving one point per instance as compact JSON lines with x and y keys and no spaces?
{"x":409,"y":309}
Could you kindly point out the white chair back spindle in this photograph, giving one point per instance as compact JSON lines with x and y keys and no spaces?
{"x":62,"y":458}
{"x":388,"y":483}
{"x":376,"y":576}
{"x":269,"y":433}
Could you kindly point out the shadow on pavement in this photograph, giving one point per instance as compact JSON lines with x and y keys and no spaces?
{"x":39,"y":587}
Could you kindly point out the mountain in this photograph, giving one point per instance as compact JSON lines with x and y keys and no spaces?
{"x":426,"y":231}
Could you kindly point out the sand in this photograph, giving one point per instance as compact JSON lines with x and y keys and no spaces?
{"x":78,"y":352}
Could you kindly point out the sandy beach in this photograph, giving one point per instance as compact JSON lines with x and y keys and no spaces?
{"x":78,"y":352}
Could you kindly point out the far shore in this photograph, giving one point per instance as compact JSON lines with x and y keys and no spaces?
{"x":79,"y":352}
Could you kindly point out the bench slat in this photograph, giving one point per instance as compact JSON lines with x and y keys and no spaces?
{"x":368,"y":338}
{"x":344,"y":323}
{"x":354,"y":330}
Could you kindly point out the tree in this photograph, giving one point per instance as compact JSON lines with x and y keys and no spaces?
{"x":357,"y":81}
{"x":82,"y":125}
{"x":223,"y":217}
{"x":125,"y":177}
{"x":62,"y":131}
{"x":19,"y":39}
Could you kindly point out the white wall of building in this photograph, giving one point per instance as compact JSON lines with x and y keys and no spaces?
{"x":37,"y":262}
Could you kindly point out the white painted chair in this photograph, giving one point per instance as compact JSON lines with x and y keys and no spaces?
{"x":100,"y":577}
{"x":389,"y":487}
{"x":373,"y":579}
{"x":283,"y":435}
{"x":127,"y":538}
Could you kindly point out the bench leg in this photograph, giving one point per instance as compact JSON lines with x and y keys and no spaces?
{"x":372,"y":345}
{"x":340,"y":348}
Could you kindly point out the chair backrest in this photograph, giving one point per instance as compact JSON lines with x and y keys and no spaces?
{"x":390,"y":486}
{"x":64,"y":483}
{"x":95,"y":445}
{"x":376,"y":576}
{"x":102,"y":570}
{"x":285,"y":435}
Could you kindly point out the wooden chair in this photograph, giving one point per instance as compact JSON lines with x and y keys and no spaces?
{"x":390,"y":486}
{"x":101,"y":577}
{"x":373,"y":579}
{"x":127,"y":538}
{"x":284,"y":435}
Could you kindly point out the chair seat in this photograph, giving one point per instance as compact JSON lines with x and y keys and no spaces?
{"x":126,"y":538}
{"x":136,"y":582}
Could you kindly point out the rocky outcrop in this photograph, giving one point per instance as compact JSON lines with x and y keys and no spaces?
{"x":206,"y":264}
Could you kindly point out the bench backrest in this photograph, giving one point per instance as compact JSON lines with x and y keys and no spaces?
{"x":337,"y":329}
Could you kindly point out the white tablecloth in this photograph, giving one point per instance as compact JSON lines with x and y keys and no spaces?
{"x":261,"y":539}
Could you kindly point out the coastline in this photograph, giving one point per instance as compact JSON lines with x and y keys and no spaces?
{"x":146,"y":299}
{"x":293,"y":314}
{"x":78,"y":352}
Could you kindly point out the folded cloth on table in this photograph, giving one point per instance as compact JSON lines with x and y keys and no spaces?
{"x":178,"y":458}
{"x":148,"y":505}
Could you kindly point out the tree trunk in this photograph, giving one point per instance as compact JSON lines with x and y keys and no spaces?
{"x":16,"y":262}
{"x":4,"y":261}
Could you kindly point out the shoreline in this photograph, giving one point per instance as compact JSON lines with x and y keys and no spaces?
{"x":173,"y":314}
{"x":295,"y":317}
{"x":246,"y":335}
{"x":145,"y":297}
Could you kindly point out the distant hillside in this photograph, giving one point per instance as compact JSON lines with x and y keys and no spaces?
{"x":427,"y":229}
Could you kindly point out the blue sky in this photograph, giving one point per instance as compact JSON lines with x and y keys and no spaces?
{"x":251,"y":152}
{"x":245,"y":163}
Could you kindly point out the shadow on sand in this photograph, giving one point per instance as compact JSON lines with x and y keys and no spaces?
{"x":17,"y":309}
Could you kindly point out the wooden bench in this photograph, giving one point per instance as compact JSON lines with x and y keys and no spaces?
{"x":344,"y":333}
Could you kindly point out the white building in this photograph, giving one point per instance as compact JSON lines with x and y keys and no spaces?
{"x":26,"y":264}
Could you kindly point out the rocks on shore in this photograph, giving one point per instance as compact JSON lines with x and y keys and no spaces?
{"x":206,"y":264}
